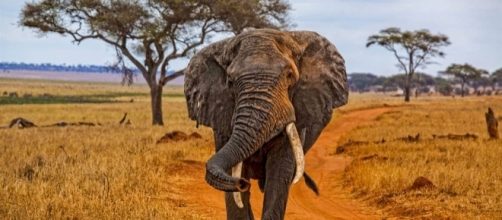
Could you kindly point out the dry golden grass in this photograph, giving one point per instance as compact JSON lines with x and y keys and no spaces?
{"x":37,"y":87}
{"x":119,"y":172}
{"x":467,"y":173}
{"x":102,"y":172}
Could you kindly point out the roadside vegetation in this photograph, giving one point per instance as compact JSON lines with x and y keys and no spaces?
{"x":109,"y":171}
{"x":443,"y":140}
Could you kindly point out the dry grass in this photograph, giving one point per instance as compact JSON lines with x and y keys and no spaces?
{"x":118,"y":172}
{"x":37,"y":87}
{"x":104,"y":172}
{"x":467,"y":173}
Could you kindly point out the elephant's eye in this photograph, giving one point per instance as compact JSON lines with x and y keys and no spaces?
{"x":290,"y":74}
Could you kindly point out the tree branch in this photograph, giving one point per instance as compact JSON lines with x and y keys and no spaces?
{"x":124,"y":50}
{"x":394,"y":50}
{"x":175,"y":75}
{"x":205,"y":30}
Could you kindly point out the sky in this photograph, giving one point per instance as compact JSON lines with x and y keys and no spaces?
{"x":474,"y":28}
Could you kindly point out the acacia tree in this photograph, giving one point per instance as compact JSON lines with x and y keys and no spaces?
{"x":496,"y":78}
{"x":361,"y":82}
{"x":443,"y":86}
{"x":482,"y":81}
{"x":464,"y":73}
{"x":152,"y":33}
{"x":412,"y":49}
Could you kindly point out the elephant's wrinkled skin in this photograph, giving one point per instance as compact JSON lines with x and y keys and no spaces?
{"x":248,"y":88}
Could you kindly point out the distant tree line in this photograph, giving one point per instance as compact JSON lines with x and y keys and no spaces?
{"x":6,"y":66}
{"x":448,"y":83}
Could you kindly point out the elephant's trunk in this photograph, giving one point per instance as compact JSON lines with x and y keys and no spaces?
{"x":220,"y":163}
{"x":263,"y":110}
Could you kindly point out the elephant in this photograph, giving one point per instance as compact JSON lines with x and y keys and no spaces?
{"x":267,"y":95}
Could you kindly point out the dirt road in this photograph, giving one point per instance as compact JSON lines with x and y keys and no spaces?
{"x":325,"y":168}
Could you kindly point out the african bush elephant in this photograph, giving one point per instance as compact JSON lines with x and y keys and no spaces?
{"x":255,"y":90}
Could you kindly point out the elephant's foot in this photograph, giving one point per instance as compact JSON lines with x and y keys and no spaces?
{"x":234,"y":212}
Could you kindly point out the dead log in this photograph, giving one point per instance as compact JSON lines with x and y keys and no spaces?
{"x":410,"y":138}
{"x":21,"y":123}
{"x":492,"y":124}
{"x":466,"y":136}
{"x":83,"y":123}
{"x":65,"y":124}
{"x":59,"y":124}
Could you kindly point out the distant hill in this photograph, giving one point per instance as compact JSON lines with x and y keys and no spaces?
{"x":89,"y":73}
{"x":5,"y":66}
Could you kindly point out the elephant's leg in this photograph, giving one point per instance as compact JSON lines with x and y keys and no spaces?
{"x":280,"y":169}
{"x":234,"y":212}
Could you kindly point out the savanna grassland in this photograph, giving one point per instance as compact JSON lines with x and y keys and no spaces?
{"x":412,"y":141}
{"x":101,"y":172}
{"x":114,"y":171}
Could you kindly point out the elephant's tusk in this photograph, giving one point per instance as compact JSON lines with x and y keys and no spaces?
{"x":236,"y":172}
{"x":295,"y":141}
{"x":303,"y":133}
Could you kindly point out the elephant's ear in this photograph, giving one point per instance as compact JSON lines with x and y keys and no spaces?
{"x":323,"y":80}
{"x":322,"y":84}
{"x":210,"y":101}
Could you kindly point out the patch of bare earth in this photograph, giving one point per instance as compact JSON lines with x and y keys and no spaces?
{"x":334,"y":202}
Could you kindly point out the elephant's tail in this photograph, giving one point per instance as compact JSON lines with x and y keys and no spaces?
{"x":310,"y":183}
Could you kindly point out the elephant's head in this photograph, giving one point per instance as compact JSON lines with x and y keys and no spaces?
{"x":253,"y":86}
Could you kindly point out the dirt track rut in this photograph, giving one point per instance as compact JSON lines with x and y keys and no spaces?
{"x":324,"y":167}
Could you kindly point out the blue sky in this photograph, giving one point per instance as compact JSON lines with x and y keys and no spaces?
{"x":474,"y":28}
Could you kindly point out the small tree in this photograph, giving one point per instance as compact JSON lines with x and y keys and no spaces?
{"x":412,"y":49}
{"x":361,"y":82}
{"x":443,"y":86}
{"x":482,"y":81}
{"x":421,"y":82}
{"x":398,"y":80}
{"x":152,"y":33}
{"x":465,"y":73}
{"x":387,"y":84}
{"x":496,"y":79}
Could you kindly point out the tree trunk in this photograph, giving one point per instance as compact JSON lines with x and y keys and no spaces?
{"x":462,"y":92}
{"x":407,"y":89}
{"x":492,"y":124}
{"x":407,"y":93}
{"x":156,"y":102}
